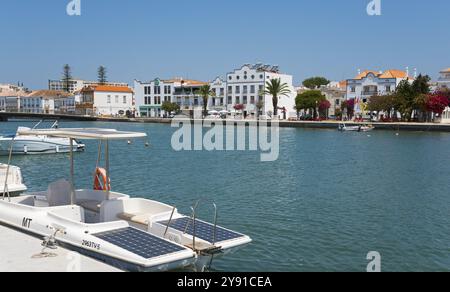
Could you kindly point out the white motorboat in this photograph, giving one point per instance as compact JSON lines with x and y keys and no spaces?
{"x":11,"y":181}
{"x":130,"y":233}
{"x":37,"y":144}
{"x":359,"y":128}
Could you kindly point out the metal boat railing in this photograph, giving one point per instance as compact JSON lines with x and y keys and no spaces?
{"x":193,"y":221}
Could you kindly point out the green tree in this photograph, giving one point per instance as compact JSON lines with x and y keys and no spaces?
{"x":309,"y":100}
{"x":102,"y":79}
{"x":170,"y":107}
{"x":206,"y":92}
{"x":67,"y":77}
{"x":408,"y":96}
{"x":421,"y":84}
{"x":315,"y":82}
{"x":276,"y":89}
{"x":383,"y":103}
{"x":259,"y":107}
{"x":405,"y":95}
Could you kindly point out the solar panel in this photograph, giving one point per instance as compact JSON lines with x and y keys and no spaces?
{"x":203,"y":230}
{"x":139,"y":242}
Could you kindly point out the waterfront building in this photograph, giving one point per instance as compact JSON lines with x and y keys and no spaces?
{"x":370,"y":83}
{"x":336,"y":96}
{"x":42,"y":101}
{"x":245,"y":86}
{"x":444,"y":83}
{"x":444,"y":79}
{"x":10,"y":97}
{"x":79,"y":84}
{"x":218,"y":101}
{"x":104,"y":100}
{"x":151,"y":95}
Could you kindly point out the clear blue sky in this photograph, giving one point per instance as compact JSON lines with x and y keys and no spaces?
{"x":202,"y":39}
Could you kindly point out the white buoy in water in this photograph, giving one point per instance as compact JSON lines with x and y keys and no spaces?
{"x":129,"y":142}
{"x":147,"y":144}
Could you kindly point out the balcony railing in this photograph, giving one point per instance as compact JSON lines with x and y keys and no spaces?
{"x":370,"y":93}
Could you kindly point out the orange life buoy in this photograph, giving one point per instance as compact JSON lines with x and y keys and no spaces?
{"x":100,"y":180}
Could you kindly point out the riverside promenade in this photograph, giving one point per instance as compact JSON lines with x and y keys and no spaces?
{"x":417,"y":127}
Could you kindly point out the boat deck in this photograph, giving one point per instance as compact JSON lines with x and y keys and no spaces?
{"x":20,"y":252}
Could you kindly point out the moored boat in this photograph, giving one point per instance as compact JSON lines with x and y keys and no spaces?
{"x":132,"y":234}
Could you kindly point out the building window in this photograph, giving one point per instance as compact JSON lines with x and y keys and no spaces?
{"x":124,"y":99}
{"x":252,"y":100}
{"x":245,"y":89}
{"x":238,"y":100}
{"x":157,"y":99}
{"x":221,"y":101}
{"x":230,"y":78}
{"x":338,"y":102}
{"x":108,"y":99}
{"x":222,"y":91}
{"x":147,"y":90}
{"x":253,"y":76}
{"x":261,"y":76}
{"x":261,"y":89}
{"x":230,"y":100}
{"x":117,"y":99}
{"x":238,"y":90}
{"x":157,"y":90}
{"x":245,"y":100}
{"x":252,"y":89}
{"x":230,"y":89}
{"x":388,"y":88}
{"x":238,"y":77}
{"x":353,"y":89}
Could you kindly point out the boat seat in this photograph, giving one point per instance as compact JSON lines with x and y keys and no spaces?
{"x":59,"y":194}
{"x":141,"y":219}
{"x":90,"y":205}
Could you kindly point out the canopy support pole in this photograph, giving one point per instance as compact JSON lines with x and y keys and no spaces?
{"x":72,"y":175}
{"x":107,"y":170}
{"x":6,"y":188}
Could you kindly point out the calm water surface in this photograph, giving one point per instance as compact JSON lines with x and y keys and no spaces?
{"x":330,"y":199}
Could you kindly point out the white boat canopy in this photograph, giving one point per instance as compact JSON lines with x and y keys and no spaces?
{"x":89,"y":134}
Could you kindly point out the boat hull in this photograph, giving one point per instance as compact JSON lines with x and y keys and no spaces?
{"x":34,"y":147}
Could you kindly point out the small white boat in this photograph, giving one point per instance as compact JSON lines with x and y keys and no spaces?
{"x":37,"y":144}
{"x":359,"y":128}
{"x":129,"y":233}
{"x":11,"y":181}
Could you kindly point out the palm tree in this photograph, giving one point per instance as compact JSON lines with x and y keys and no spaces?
{"x":205,"y":92}
{"x":276,"y":89}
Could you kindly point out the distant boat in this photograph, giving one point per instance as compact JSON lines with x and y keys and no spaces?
{"x":39,"y":144}
{"x":14,"y":186}
{"x":359,"y":128}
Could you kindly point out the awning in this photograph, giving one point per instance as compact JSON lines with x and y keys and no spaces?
{"x":91,"y":133}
